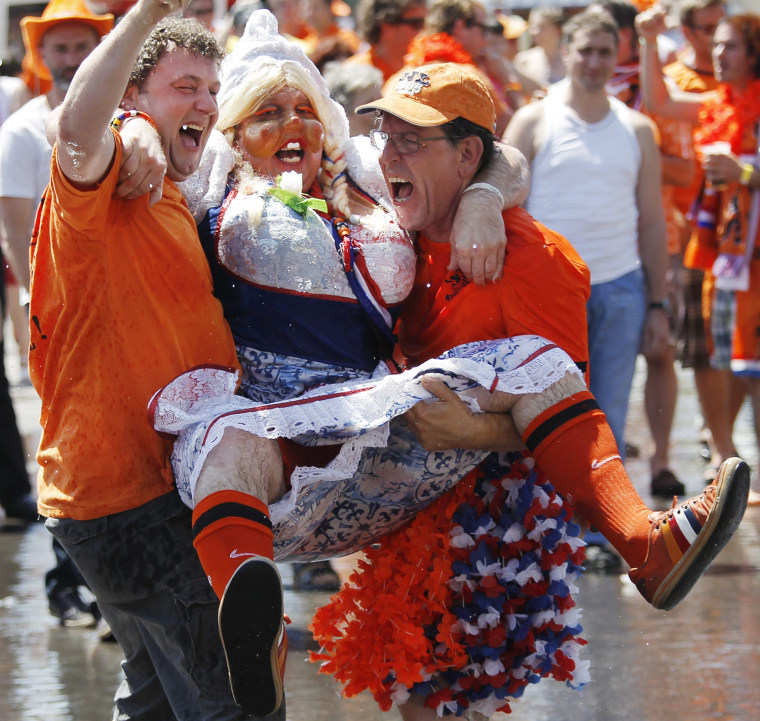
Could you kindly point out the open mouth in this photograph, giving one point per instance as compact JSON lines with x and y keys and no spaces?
{"x":291,"y":152}
{"x":400,"y":188}
{"x":193,"y":133}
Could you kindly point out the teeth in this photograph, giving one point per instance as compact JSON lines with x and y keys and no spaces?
{"x":397,"y":180}
{"x":190,"y":126}
{"x":292,"y":146}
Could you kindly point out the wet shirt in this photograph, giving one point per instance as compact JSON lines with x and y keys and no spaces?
{"x":121,"y":304}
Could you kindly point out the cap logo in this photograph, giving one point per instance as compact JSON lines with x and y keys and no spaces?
{"x":412,"y":82}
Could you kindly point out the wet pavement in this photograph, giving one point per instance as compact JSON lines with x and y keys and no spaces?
{"x":699,"y":662}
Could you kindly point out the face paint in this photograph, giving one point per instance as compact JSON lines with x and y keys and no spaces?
{"x":283,"y":134}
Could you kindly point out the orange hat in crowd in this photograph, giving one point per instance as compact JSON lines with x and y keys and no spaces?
{"x":513,"y":25}
{"x":436,"y":94}
{"x":58,"y":11}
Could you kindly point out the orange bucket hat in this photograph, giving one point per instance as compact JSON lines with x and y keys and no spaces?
{"x":59,"y":11}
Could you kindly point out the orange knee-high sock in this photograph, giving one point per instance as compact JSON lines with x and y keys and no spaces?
{"x":575,"y":448}
{"x":229,"y":527}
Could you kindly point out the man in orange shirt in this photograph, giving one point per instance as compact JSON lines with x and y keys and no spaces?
{"x":436,"y":128}
{"x":121,"y":301}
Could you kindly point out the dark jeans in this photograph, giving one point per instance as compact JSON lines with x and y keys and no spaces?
{"x":154,"y":594}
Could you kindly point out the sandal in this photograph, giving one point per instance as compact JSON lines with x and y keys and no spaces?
{"x":666,"y":485}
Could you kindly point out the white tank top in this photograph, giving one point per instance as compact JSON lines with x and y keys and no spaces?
{"x":584,"y":185}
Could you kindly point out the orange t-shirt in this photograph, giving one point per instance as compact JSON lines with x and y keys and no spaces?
{"x":121,"y":304}
{"x":543,"y":292}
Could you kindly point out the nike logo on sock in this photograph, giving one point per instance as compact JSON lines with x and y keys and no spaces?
{"x":236,"y":554}
{"x":595,"y":464}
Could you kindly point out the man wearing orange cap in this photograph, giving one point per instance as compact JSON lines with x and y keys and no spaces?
{"x":56,"y":44}
{"x":436,"y":129}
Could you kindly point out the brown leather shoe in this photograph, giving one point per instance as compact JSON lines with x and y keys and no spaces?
{"x":684,"y":540}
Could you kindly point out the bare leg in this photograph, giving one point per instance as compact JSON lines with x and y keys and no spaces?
{"x":242,"y":462}
{"x":413,"y":710}
{"x":720,"y":395}
{"x":660,"y":395}
{"x":525,"y":408}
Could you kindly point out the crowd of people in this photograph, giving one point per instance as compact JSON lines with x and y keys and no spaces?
{"x":265,"y":329}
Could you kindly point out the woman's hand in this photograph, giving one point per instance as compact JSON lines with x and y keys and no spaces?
{"x":721,"y":168}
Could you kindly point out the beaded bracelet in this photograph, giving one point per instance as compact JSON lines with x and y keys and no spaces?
{"x":122,"y":118}
{"x":746,"y":176}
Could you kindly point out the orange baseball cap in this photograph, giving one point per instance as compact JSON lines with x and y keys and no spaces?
{"x":436,"y":94}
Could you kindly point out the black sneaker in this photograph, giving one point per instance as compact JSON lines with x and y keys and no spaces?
{"x":253,"y":636}
{"x":71,"y":610}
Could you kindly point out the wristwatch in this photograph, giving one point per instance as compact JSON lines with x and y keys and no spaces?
{"x":663,"y":305}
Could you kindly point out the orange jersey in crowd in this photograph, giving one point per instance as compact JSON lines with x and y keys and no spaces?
{"x":543,"y":292}
{"x":692,"y":82}
{"x":121,"y":304}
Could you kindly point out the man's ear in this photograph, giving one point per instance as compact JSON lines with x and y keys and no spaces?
{"x":470,"y":153}
{"x":129,"y":99}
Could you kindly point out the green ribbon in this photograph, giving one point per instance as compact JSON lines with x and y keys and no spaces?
{"x":300,"y":203}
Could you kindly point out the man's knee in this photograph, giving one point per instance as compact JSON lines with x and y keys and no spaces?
{"x":243,"y":462}
{"x":529,"y":406}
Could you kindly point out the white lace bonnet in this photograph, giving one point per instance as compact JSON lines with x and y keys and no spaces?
{"x":262,"y":44}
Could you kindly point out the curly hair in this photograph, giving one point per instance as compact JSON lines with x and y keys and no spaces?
{"x":170,"y":34}
{"x":747,"y":26}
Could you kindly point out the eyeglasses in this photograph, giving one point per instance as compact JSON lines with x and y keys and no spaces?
{"x":414,"y":23}
{"x":706,"y":29}
{"x":404,"y":143}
